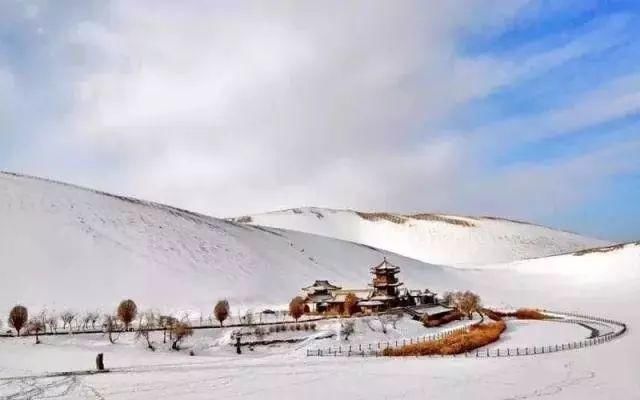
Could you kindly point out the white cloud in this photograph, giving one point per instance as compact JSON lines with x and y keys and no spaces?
{"x":232,"y":108}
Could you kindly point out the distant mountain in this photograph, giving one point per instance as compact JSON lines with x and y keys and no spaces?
{"x":62,"y":246}
{"x":433,"y":238}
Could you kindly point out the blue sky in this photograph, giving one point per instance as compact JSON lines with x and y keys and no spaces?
{"x":523,"y":109}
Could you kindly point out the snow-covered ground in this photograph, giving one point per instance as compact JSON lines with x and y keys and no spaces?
{"x":61,"y":246}
{"x":432,"y":238}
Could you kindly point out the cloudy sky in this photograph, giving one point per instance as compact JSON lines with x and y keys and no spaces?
{"x":524,"y":109}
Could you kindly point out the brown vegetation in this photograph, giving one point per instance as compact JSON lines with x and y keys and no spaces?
{"x":465,"y":302}
{"x":441,"y":218}
{"x":528,"y":313}
{"x":221,"y":311}
{"x":454,"y":315}
{"x":296,"y":307}
{"x":127,"y":311}
{"x":180,"y":330}
{"x":600,"y":249}
{"x":351,"y":304}
{"x":456,"y":343}
{"x":522,"y":313}
{"x":377,"y":216}
{"x":18,"y":317}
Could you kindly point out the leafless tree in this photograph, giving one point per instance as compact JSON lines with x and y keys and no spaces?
{"x":166,"y":322}
{"x":221,"y":311}
{"x":18,"y":317}
{"x":180,"y":331}
{"x":127,"y":311}
{"x":248,"y":318}
{"x":296,"y":307}
{"x":67,"y":317}
{"x":52,"y":322}
{"x":146,"y":324}
{"x":35,"y":327}
{"x":93,"y":318}
{"x":466,"y":302}
{"x":347,"y":328}
{"x":111,"y":326}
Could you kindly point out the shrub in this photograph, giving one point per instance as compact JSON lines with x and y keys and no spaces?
{"x":18,"y":317}
{"x":296,"y":307}
{"x":180,"y":331}
{"x":273,"y":329}
{"x":522,"y":313}
{"x":445,"y":319}
{"x":456,"y":343}
{"x":528,"y":313}
{"x":298,"y":327}
{"x":305,"y":326}
{"x":312,"y":326}
{"x":221,"y":311}
{"x":127,"y":311}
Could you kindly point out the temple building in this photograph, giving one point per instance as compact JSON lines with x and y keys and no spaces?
{"x":385,"y":291}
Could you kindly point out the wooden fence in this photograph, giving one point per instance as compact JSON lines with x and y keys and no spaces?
{"x":377,"y":349}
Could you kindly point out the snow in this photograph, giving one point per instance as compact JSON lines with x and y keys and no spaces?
{"x":487,"y":240}
{"x":61,"y":246}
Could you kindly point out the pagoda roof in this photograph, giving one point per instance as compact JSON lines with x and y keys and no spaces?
{"x":385,"y":266}
{"x":321,"y":285}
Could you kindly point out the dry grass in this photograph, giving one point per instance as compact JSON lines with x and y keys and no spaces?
{"x":440,"y":218}
{"x":528,"y":313}
{"x":522,"y":313}
{"x":377,"y":216}
{"x":493,"y":315}
{"x":599,"y":249}
{"x":244,"y":220}
{"x":449,"y":317}
{"x":457,"y":343}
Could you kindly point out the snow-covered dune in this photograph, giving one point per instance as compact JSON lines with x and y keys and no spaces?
{"x":64,"y":246}
{"x":432,"y":238}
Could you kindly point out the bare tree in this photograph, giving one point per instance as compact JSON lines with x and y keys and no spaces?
{"x":146,"y":324}
{"x":180,"y":331}
{"x":111,"y":326}
{"x":296,"y":307}
{"x":93,"y":318}
{"x":127,"y":311}
{"x":347,"y":328}
{"x":67,"y":317}
{"x":52,"y":322}
{"x":35,"y":326}
{"x":166,"y":322}
{"x":465,"y":302}
{"x":18,"y":317}
{"x":221,"y":311}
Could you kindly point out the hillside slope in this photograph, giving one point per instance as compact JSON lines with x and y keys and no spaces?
{"x":432,"y":238}
{"x":64,"y":246}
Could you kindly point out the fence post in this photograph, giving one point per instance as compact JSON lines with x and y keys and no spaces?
{"x":360,"y":347}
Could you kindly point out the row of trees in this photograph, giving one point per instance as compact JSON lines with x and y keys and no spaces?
{"x":113,"y":324}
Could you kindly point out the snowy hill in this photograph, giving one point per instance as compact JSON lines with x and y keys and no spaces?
{"x":433,"y":238}
{"x":64,"y":246}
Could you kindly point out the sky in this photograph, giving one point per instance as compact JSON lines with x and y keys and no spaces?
{"x":514,"y":108}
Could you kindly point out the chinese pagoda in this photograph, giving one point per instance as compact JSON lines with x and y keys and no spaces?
{"x":385,"y":285}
